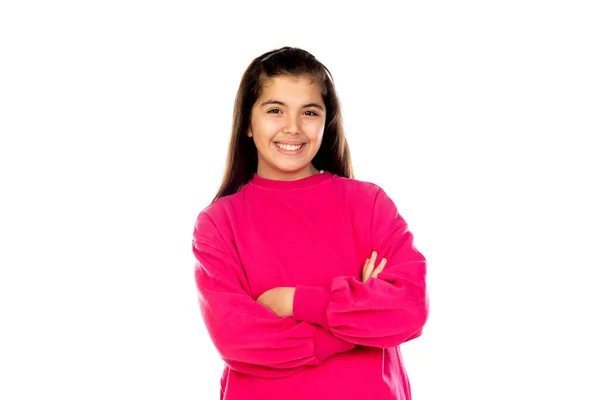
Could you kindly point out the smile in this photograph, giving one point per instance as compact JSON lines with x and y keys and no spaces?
{"x":290,"y":148}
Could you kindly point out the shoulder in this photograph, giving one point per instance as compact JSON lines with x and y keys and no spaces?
{"x":366,"y":190}
{"x":371,"y":196}
{"x":357,"y":184}
{"x":214,"y":220}
{"x":222,"y":209}
{"x":216,"y":208}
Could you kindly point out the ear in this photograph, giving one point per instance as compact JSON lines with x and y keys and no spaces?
{"x":249,"y":133}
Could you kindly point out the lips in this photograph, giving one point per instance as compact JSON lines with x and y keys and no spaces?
{"x":290,"y":148}
{"x":291,"y":143}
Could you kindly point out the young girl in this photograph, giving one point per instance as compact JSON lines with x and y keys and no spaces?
{"x":308,"y":280}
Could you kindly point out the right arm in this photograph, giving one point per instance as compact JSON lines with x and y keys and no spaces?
{"x":249,"y":337}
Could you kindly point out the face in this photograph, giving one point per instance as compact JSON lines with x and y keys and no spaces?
{"x":286,"y":124}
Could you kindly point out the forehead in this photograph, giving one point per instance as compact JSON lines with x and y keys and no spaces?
{"x":291,"y":87}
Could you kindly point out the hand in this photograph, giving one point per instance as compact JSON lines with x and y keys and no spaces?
{"x":280,"y":300}
{"x":369,"y":270}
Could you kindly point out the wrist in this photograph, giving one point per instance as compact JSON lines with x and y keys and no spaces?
{"x":310,"y":304}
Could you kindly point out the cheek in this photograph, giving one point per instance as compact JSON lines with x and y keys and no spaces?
{"x":268,"y":129}
{"x":315,"y":131}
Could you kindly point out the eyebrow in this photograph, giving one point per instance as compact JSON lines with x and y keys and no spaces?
{"x":281,"y":103}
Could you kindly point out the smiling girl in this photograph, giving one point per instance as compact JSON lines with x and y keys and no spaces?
{"x":308,"y":280}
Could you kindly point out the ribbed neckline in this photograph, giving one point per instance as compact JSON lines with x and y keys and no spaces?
{"x":291,"y":185}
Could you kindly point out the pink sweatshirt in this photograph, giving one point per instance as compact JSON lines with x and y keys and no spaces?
{"x":313,"y":234}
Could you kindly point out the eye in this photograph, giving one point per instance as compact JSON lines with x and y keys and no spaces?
{"x":271,"y":111}
{"x":312,"y":113}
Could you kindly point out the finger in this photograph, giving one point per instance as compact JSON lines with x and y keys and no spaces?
{"x":370,"y":266}
{"x":364,"y":270}
{"x":379,"y":268}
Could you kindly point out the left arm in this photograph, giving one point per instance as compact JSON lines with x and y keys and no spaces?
{"x":381,"y":312}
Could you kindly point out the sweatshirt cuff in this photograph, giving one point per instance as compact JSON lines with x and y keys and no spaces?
{"x":310,"y":305}
{"x":327,"y":345}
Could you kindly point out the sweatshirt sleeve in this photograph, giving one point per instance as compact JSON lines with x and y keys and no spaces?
{"x":382,"y":312}
{"x":248,"y":336}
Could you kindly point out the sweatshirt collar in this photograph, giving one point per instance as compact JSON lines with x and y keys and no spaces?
{"x":291,"y":185}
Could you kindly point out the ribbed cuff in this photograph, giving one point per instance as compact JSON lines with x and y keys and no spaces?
{"x":327,"y":345}
{"x":310,"y":304}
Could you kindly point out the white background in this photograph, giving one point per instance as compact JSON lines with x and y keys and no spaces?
{"x":477,"y":117}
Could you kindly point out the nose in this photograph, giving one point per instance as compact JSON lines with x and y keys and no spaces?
{"x":292,"y":125}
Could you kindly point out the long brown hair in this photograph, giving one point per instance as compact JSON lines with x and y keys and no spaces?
{"x":242,"y":159}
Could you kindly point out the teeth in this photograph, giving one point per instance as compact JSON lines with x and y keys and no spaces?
{"x":288,"y":146}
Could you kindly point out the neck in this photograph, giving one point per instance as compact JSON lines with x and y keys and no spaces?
{"x":310,"y":170}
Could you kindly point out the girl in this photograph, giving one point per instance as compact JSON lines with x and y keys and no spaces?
{"x":308,"y":280}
